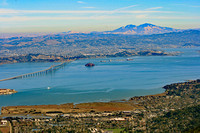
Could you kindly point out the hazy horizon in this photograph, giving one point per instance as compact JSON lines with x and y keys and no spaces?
{"x":72,"y":31}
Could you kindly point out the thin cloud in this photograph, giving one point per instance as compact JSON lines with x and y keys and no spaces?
{"x":80,"y":2}
{"x":25,"y":18}
{"x":168,"y":17}
{"x":154,"y":8}
{"x":7,"y":11}
{"x":14,"y":19}
{"x":176,"y":17}
{"x":123,"y":8}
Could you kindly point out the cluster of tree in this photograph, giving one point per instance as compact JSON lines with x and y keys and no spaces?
{"x":186,"y":88}
{"x":182,"y":120}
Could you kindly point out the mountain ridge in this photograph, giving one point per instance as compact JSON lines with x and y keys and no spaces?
{"x":143,"y":29}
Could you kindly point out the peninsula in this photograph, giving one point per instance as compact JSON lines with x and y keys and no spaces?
{"x":7,"y":91}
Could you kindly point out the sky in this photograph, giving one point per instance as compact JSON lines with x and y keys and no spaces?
{"x":95,"y":15}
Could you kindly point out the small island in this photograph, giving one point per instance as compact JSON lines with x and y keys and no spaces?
{"x":7,"y":91}
{"x":89,"y":65}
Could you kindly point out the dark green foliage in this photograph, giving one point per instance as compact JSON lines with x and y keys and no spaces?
{"x":183,"y":120}
{"x":195,"y":130}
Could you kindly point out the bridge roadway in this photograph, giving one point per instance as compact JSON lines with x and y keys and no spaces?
{"x":38,"y":73}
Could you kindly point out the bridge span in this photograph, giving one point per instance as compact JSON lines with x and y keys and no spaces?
{"x":38,"y":73}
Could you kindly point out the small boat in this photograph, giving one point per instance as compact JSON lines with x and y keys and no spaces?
{"x":128,"y":59}
{"x":48,"y":88}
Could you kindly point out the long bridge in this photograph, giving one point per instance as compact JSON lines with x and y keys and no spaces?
{"x":38,"y":73}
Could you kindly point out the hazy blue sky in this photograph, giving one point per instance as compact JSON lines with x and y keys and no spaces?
{"x":95,"y":15}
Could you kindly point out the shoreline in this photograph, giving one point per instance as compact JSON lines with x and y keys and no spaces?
{"x":56,"y":58}
{"x":179,"y":104}
{"x":115,"y":105}
{"x":148,"y":93}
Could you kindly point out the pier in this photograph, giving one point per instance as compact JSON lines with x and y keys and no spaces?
{"x":38,"y":73}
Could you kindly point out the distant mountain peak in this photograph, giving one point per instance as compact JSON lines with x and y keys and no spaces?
{"x":130,"y":26}
{"x":146,"y":28}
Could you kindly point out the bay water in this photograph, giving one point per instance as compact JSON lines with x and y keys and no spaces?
{"x":110,"y":79}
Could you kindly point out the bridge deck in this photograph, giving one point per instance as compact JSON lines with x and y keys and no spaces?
{"x":45,"y":71}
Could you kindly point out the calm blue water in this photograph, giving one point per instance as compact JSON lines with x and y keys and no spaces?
{"x":106,"y":81}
